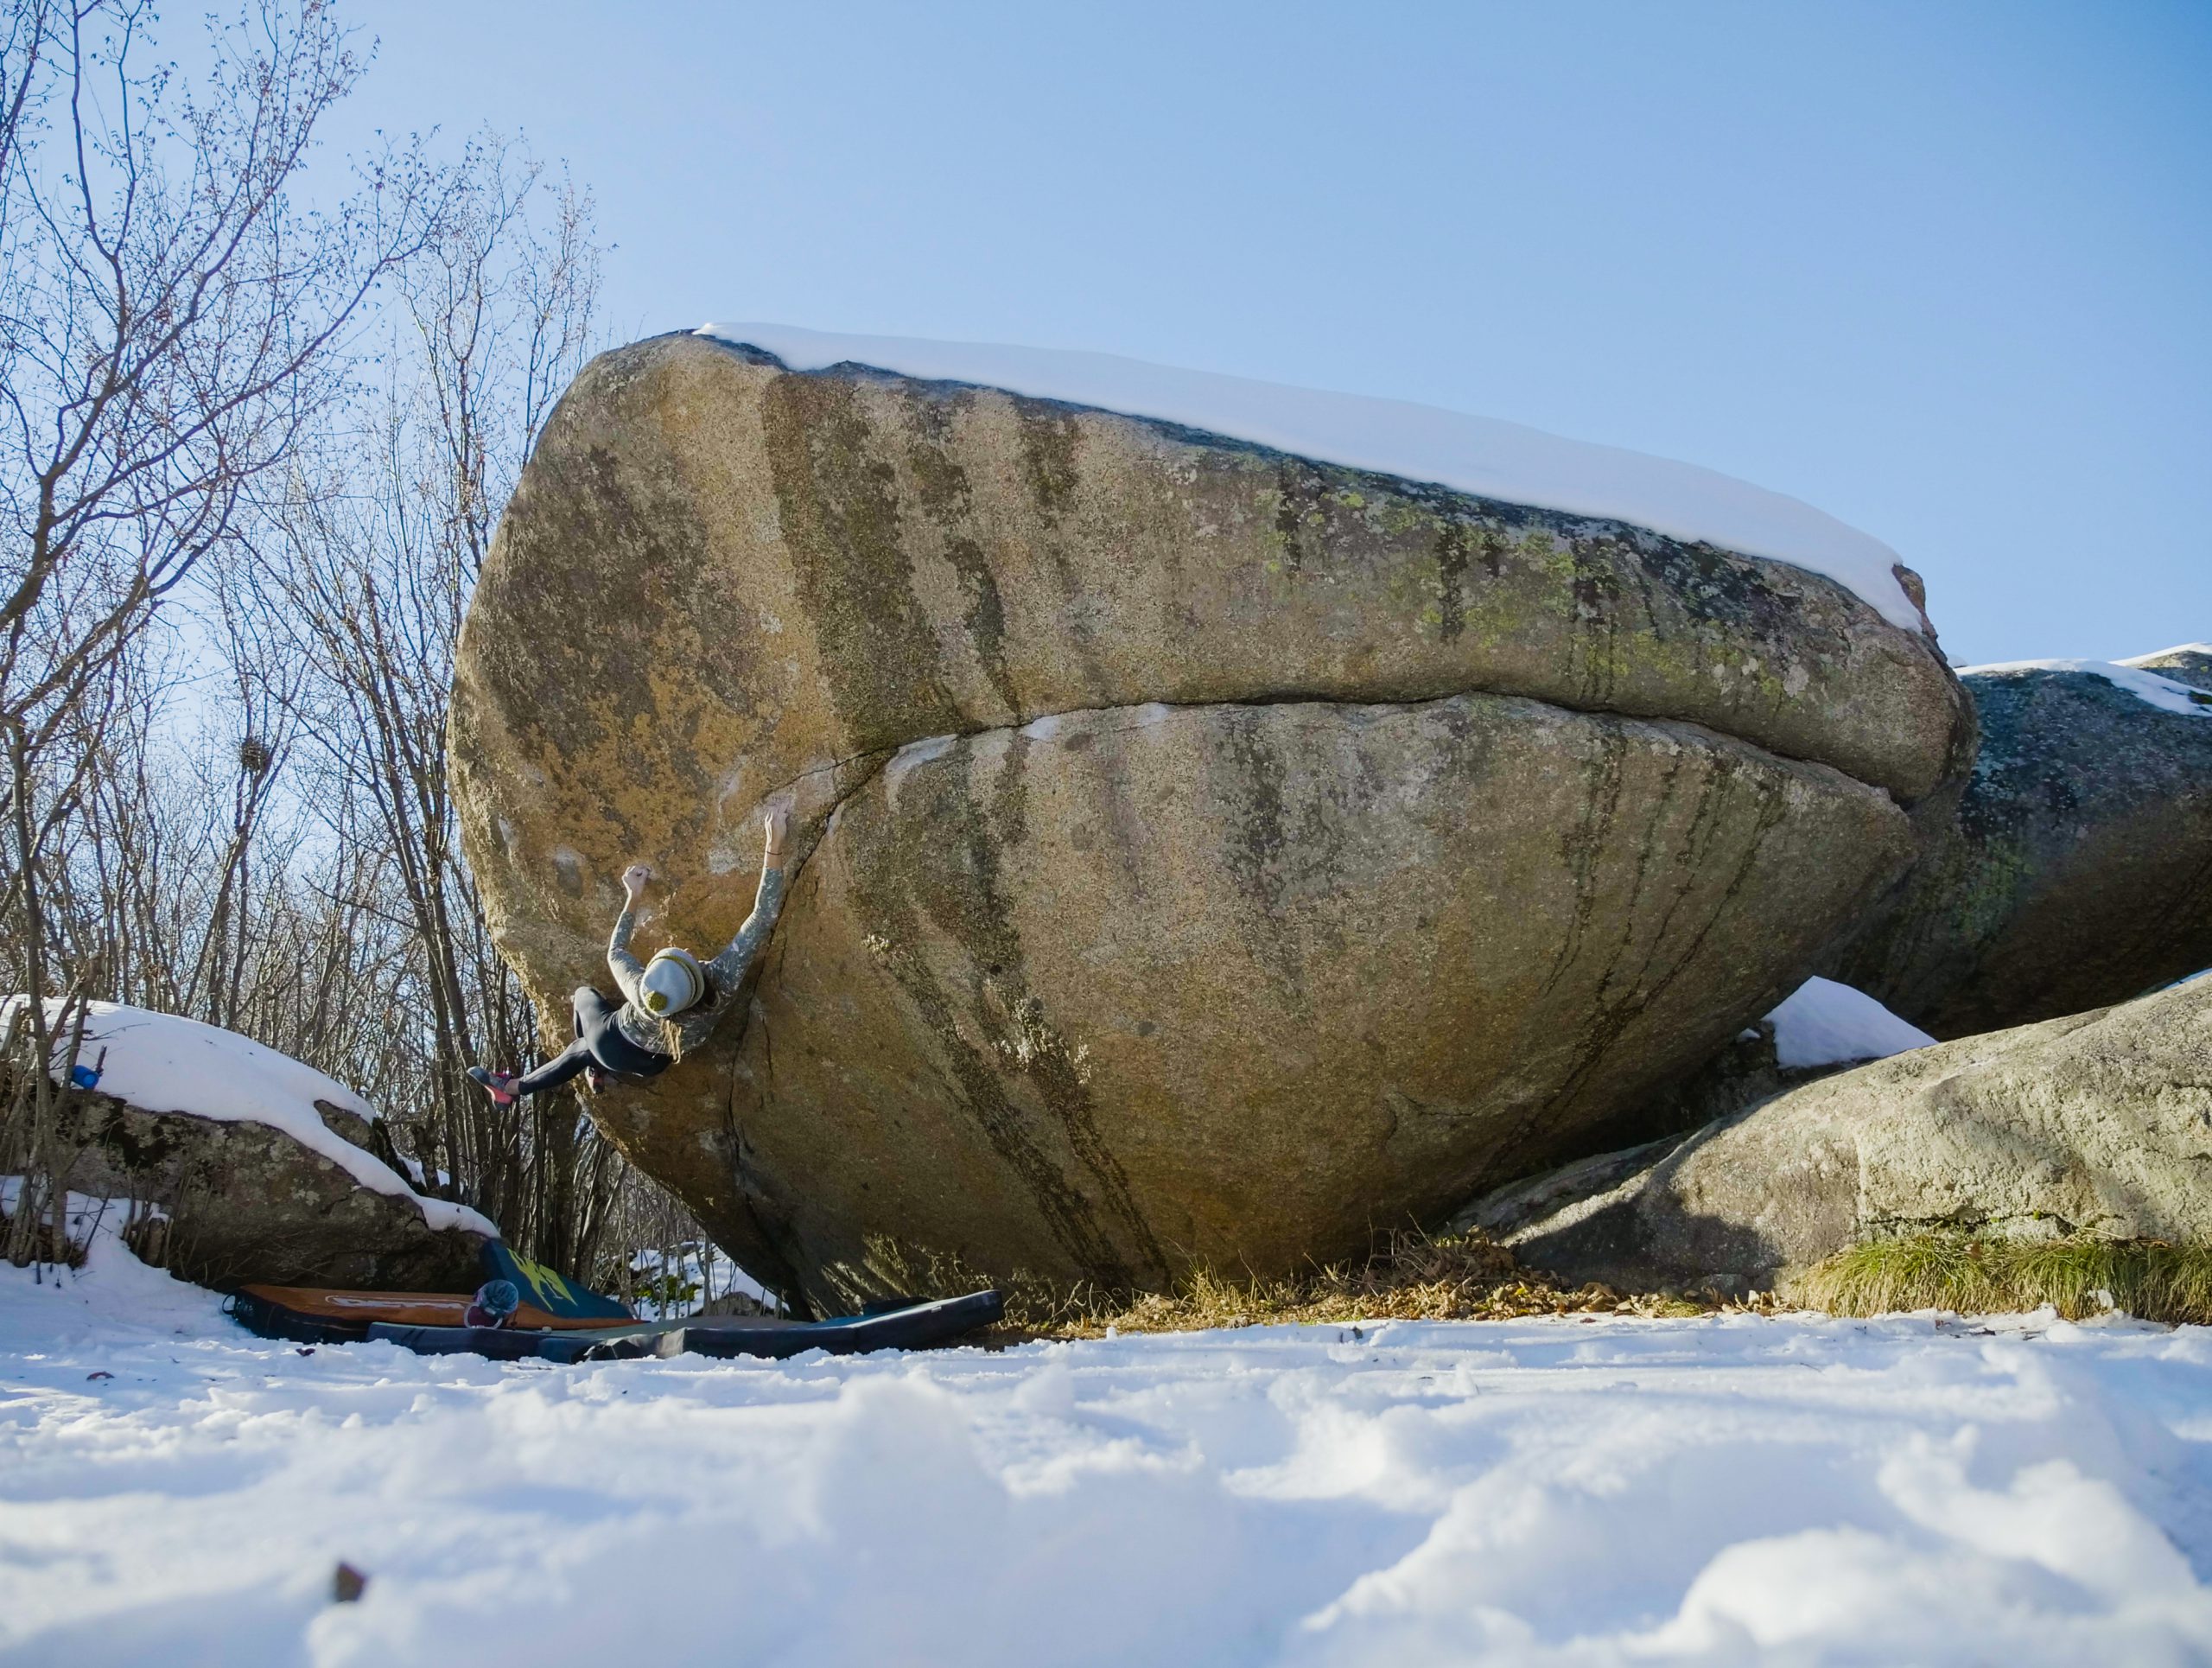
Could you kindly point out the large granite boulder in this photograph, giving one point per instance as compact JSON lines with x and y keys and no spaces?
{"x":2098,"y":1123}
{"x":2076,"y":869}
{"x":1203,"y":854}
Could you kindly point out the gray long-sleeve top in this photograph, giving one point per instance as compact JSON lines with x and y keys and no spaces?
{"x":695,"y":1025}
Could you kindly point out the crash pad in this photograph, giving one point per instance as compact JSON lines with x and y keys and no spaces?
{"x":430,"y":1324}
{"x":541,"y":1288}
{"x":317,"y":1315}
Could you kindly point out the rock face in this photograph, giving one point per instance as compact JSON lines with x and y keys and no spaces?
{"x":246,"y":1201}
{"x":2099,"y":1124}
{"x":2076,"y":869}
{"x":1203,"y":853}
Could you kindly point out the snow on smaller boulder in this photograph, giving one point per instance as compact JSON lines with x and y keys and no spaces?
{"x":1825,"y":1023}
{"x":165,"y":1063}
{"x":2184,"y":663}
{"x":232,"y":1142}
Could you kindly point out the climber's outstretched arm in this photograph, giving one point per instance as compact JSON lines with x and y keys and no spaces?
{"x":728,"y":968}
{"x":626,"y":968}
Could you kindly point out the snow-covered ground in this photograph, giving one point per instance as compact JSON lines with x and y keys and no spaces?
{"x":1563,"y":1492}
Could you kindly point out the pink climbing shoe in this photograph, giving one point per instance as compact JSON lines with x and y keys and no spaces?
{"x":494,"y":1084}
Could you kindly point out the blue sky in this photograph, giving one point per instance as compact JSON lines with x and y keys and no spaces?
{"x":1943,"y":269}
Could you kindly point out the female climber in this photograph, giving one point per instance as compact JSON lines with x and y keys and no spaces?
{"x":673,"y":1002}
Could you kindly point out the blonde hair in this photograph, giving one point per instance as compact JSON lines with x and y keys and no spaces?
{"x":671,"y":1025}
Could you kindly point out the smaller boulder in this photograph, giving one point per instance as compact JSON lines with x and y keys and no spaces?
{"x":2075,"y":870}
{"x":259,"y":1168}
{"x":734,"y":1303}
{"x":2098,"y":1123}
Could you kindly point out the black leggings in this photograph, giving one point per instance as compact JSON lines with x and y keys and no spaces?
{"x":598,"y":1042}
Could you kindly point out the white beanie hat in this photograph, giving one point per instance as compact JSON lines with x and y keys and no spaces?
{"x":672,"y":983}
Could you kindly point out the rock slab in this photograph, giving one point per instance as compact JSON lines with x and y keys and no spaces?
{"x":2097,"y":1124}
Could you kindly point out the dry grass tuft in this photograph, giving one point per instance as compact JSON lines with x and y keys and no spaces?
{"x":1976,"y":1274}
{"x":1409,"y":1277}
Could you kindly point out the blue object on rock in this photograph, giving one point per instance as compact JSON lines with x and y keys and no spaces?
{"x":84,"y":1076}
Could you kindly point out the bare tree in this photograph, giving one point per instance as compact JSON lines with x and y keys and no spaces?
{"x":251,"y":460}
{"x":172,"y":325}
{"x":491,"y":320}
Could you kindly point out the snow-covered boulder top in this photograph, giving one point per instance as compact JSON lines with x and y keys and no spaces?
{"x":2151,"y":688}
{"x":1493,"y":459}
{"x":162,"y":1063}
{"x":2076,"y":869}
{"x":2184,"y":663}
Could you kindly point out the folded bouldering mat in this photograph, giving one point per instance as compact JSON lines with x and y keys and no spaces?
{"x":431,"y":1324}
{"x":311,"y":1314}
{"x":544,"y":1290}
